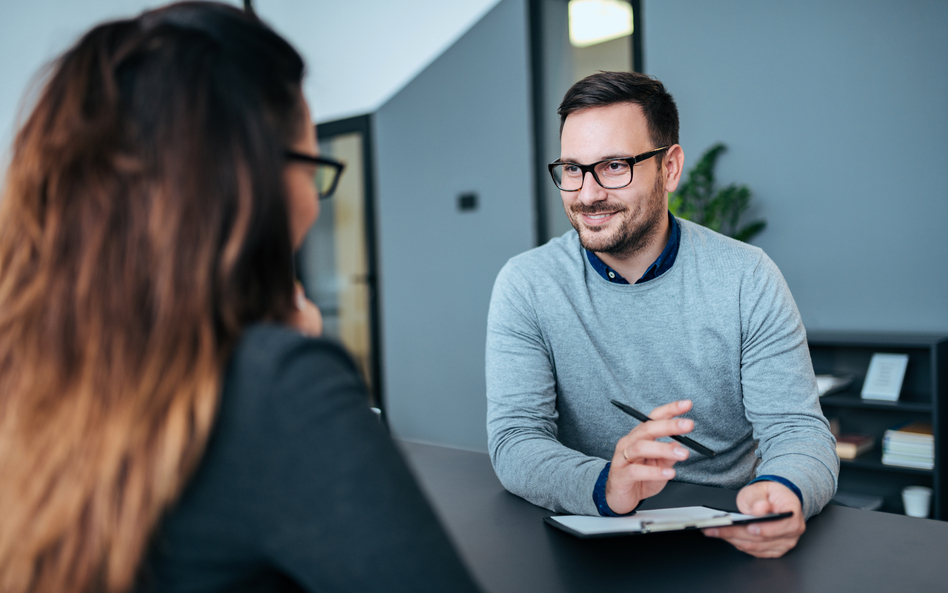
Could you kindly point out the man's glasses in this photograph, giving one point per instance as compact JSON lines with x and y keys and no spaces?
{"x":610,"y":173}
{"x":327,"y":172}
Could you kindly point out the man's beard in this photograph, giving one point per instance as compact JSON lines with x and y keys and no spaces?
{"x":631,"y":237}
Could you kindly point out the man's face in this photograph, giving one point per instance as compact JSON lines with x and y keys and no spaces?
{"x":619,"y":222}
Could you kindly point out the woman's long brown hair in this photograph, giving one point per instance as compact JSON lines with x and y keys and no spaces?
{"x":143,"y":224}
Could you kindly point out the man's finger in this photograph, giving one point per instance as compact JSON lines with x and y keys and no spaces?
{"x":648,"y":449}
{"x":660,"y":428}
{"x":647,"y":473}
{"x":755,"y":505}
{"x":757,"y":531}
{"x":769,"y":549}
{"x":670,"y":410}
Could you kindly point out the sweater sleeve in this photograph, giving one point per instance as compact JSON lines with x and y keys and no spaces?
{"x":779,"y":390}
{"x":521,"y":408}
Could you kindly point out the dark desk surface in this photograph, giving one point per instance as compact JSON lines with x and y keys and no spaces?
{"x":508,"y":547}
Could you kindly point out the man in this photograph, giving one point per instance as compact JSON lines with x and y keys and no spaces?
{"x":693,"y":328}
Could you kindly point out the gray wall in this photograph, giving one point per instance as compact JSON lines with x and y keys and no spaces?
{"x":461,"y":126}
{"x":836,"y":116}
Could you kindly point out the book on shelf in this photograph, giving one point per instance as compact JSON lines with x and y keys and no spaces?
{"x":918,"y":449}
{"x":850,"y":446}
{"x":909,"y":445}
{"x":912,"y":432}
{"x":908,"y":460}
{"x":827,"y":384}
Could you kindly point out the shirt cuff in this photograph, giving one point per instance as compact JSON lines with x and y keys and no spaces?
{"x":599,"y":495}
{"x":779,"y":480}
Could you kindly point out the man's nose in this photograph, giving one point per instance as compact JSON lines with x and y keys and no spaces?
{"x":591,"y":191}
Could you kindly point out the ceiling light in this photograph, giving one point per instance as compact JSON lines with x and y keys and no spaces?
{"x":596,"y":21}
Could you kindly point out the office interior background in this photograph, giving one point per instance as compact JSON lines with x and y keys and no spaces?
{"x":835,"y":114}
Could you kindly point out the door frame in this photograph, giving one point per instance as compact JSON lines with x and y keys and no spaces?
{"x":538,"y":69}
{"x":362,"y":125}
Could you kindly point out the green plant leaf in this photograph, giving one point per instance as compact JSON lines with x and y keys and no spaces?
{"x":750,"y":231}
{"x":720,"y":210}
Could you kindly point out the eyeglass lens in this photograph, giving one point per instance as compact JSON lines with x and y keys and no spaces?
{"x":325,"y":179}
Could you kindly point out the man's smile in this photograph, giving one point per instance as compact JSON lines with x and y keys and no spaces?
{"x":597,"y":215}
{"x":597,"y":219}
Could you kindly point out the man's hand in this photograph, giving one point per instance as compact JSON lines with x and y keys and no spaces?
{"x":641,"y":466}
{"x":765,"y":540}
{"x":307,"y":318}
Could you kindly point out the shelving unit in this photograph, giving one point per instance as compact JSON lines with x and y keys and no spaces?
{"x":924,"y":397}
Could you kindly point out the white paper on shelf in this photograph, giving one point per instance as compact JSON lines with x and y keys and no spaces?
{"x":885,"y":375}
{"x":826,"y":384}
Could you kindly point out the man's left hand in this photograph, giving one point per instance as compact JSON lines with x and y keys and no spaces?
{"x":770,"y":539}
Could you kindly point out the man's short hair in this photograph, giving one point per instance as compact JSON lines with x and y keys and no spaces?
{"x":608,"y":88}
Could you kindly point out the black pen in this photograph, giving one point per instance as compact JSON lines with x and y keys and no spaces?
{"x":683,"y":440}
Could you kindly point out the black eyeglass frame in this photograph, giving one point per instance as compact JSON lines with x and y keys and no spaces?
{"x":632,"y":161}
{"x":337,"y":166}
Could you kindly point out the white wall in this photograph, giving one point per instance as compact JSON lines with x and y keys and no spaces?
{"x":359,"y":52}
{"x":836,"y":116}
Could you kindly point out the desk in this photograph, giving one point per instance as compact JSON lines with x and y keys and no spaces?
{"x":508,"y":547}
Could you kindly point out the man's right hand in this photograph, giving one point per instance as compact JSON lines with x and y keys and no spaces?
{"x":641,"y":466}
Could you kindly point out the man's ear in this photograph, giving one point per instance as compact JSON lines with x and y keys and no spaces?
{"x":673,"y":162}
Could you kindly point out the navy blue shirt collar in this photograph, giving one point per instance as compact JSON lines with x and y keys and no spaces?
{"x":658,"y":267}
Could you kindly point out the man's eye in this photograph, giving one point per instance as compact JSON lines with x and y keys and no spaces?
{"x":571,"y":169}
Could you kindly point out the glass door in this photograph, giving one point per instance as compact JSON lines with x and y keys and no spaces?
{"x":337,"y":260}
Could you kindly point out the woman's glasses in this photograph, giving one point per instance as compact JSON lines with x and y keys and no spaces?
{"x":327,"y":173}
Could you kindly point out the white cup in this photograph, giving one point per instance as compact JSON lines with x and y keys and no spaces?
{"x":916,"y":500}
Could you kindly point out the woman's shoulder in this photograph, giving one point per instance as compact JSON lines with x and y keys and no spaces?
{"x":268,"y":351}
{"x":277,"y":371}
{"x":269,"y":346}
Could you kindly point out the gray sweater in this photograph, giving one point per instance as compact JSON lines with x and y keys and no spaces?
{"x":720,"y":328}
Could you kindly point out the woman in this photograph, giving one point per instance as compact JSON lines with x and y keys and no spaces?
{"x":162,"y":426}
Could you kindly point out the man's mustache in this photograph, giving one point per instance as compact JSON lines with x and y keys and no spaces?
{"x":597,"y":208}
